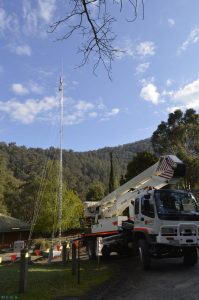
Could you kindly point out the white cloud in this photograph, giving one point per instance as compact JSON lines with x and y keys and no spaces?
{"x":145,"y":81}
{"x":3,"y":19}
{"x":167,"y":93}
{"x":93,"y":114}
{"x":113,"y":112}
{"x":141,"y":68}
{"x":36,"y":15}
{"x":82,"y":110}
{"x":47,"y":9}
{"x":169,"y":82}
{"x":100,"y":105}
{"x":149,"y":93}
{"x":19,"y":89}
{"x":23,"y":50}
{"x":30,"y":87}
{"x":84,"y":106}
{"x":183,"y":98}
{"x":109,"y":114}
{"x":126,"y":49}
{"x":47,"y":109}
{"x":173,"y":108}
{"x":78,"y":112}
{"x":74,"y":118}
{"x":8,"y":22}
{"x":143,"y":49}
{"x":28,"y":111}
{"x":188,"y":95}
{"x":171,"y":22}
{"x":30,"y":16}
{"x":35,"y":88}
{"x":193,"y":38}
{"x":146,"y":48}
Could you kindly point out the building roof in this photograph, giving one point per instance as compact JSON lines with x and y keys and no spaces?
{"x":10,"y":224}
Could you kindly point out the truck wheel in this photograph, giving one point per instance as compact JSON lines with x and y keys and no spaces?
{"x":190,"y":256}
{"x":106,"y":252}
{"x":91,"y":249}
{"x":144,"y":254}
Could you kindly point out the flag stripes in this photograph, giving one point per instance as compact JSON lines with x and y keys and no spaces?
{"x":166,"y":167}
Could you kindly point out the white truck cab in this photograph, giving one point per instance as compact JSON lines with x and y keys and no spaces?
{"x":172,"y":215}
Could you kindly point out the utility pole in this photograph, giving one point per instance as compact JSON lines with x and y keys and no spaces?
{"x":61,"y":89}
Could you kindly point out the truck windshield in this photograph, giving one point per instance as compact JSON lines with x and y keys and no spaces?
{"x":176,"y":205}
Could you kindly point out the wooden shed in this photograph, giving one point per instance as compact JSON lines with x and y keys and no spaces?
{"x":12,"y":229}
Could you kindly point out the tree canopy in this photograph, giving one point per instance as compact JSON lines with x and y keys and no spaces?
{"x":72,"y":207}
{"x":96,"y":191}
{"x":9,"y":187}
{"x":140,"y":162}
{"x":179,"y":135}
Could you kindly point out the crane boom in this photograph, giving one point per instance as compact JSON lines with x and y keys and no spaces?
{"x":168,"y":170}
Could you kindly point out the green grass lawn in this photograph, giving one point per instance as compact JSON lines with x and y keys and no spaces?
{"x":50,"y":281}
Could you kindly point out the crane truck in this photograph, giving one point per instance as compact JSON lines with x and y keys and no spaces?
{"x":142,"y":217}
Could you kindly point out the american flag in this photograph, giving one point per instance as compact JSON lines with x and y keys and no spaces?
{"x":166,"y":167}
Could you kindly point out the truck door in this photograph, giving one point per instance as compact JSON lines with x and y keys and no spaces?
{"x":147,"y":211}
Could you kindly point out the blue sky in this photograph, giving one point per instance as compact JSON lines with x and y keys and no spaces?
{"x":157,"y":73}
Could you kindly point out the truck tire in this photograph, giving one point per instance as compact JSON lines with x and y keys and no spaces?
{"x":144,"y":254}
{"x":190,"y":256}
{"x":91,"y":249}
{"x":105,"y":252}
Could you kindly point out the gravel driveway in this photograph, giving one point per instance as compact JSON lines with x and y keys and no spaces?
{"x":167,"y":280}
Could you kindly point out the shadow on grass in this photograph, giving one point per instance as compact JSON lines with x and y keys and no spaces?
{"x":55,"y":280}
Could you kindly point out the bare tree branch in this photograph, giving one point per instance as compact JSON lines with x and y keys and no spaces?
{"x":93,"y":20}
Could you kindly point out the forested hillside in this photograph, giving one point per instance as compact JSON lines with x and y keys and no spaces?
{"x":80,"y":169}
{"x":29,"y":175}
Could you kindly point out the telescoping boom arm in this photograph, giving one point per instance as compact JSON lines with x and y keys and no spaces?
{"x":168,"y":170}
